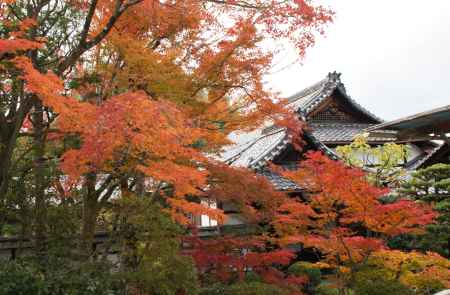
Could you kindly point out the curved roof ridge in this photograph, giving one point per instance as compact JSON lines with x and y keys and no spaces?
{"x":306,"y":100}
{"x":319,"y":124}
{"x":307,"y":91}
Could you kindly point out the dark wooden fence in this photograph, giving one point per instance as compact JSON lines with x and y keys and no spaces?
{"x":13,"y":247}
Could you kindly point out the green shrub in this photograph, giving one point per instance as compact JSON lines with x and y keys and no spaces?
{"x":326,"y":289}
{"x":254,"y":288}
{"x":57,"y":277}
{"x":243,"y":288}
{"x":16,"y":279}
{"x":252,"y":277}
{"x":303,"y":268}
{"x":214,"y":289}
{"x":378,"y":282}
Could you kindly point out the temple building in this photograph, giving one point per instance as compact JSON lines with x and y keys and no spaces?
{"x":333,"y":119}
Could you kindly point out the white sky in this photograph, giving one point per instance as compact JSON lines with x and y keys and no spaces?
{"x":394,"y":55}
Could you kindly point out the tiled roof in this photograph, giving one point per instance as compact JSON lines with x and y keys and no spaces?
{"x":241,"y":141}
{"x":279,"y":182}
{"x":336,"y":132}
{"x":283,"y":184}
{"x":255,"y":148}
{"x":342,"y":132}
{"x":301,"y":100}
{"x":308,"y":99}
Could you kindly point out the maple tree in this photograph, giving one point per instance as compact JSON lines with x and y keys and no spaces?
{"x":343,"y":216}
{"x":145,"y":87}
{"x":228,"y":259}
{"x":239,"y":253}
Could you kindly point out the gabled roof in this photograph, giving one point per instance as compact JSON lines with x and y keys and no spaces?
{"x":256,"y":148}
{"x":307,"y":100}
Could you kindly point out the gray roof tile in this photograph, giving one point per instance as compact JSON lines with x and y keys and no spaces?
{"x":308,"y":99}
{"x":254,"y":148}
{"x":342,"y":132}
{"x":279,"y":182}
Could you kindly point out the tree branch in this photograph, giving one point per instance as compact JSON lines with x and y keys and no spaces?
{"x":84,"y":45}
{"x":88,"y":21}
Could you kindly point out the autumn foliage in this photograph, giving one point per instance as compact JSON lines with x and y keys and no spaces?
{"x":343,"y":216}
{"x":231,"y":258}
{"x":149,"y":86}
{"x":340,"y":216}
{"x":107,"y":100}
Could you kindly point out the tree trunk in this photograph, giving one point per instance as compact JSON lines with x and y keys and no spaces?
{"x":9,"y":132}
{"x":89,"y":216}
{"x":140,"y":185}
{"x":448,"y":247}
{"x":39,"y":175}
{"x":5,"y":159}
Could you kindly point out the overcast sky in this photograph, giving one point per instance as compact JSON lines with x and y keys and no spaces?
{"x":394,"y":55}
